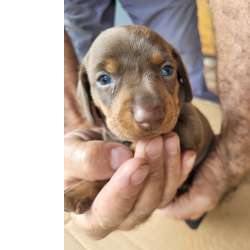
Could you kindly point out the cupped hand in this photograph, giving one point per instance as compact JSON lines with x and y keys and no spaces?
{"x":212,"y":182}
{"x":137,"y":185}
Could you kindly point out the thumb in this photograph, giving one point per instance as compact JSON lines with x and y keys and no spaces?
{"x":92,"y":160}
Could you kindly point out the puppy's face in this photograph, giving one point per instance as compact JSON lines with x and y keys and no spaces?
{"x":136,"y":80}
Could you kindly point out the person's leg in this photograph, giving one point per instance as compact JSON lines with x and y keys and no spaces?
{"x":85,"y":19}
{"x":176,"y":21}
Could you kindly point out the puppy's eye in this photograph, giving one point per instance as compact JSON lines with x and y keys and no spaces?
{"x":104,"y":79}
{"x":167,"y":70}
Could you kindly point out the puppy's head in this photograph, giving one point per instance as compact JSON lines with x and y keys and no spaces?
{"x":135,"y":80}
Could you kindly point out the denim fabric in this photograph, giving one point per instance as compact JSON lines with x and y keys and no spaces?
{"x":175,"y":20}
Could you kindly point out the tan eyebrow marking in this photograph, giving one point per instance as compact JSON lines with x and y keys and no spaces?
{"x":156,"y":58}
{"x":111,"y":65}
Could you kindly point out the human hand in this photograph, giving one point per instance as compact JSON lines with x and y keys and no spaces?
{"x":139,"y":186}
{"x":213,"y":181}
{"x":87,"y":157}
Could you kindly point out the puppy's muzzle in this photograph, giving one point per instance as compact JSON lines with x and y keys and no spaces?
{"x":148,"y":114}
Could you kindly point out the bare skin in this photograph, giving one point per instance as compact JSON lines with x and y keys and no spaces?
{"x":72,"y":117}
{"x":222,"y":171}
{"x":229,"y":162}
{"x":137,"y":186}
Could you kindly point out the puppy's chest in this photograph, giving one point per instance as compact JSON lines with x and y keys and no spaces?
{"x":109,"y":136}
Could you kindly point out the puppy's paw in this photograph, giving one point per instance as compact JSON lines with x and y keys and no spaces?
{"x":78,"y":198}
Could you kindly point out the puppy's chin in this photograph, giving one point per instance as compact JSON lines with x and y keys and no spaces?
{"x":132,"y":132}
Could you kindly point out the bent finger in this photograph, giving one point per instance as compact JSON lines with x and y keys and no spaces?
{"x":115,"y":200}
{"x":92,"y":160}
{"x":151,"y":194}
{"x":172,"y":167}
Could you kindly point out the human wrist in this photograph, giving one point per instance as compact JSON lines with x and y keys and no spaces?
{"x":72,"y":116}
{"x":234,"y":148}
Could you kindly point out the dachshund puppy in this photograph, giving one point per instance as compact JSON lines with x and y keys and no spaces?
{"x":133,"y":84}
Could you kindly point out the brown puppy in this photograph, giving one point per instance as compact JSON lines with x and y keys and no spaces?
{"x":134,"y":85}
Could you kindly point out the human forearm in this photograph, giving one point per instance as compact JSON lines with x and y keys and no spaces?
{"x":233,"y":48}
{"x":72,"y":116}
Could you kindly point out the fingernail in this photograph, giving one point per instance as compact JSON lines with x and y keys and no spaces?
{"x":139,"y":175}
{"x":154,"y":148}
{"x":118,"y":156}
{"x":171,"y":144}
{"x":191,"y":160}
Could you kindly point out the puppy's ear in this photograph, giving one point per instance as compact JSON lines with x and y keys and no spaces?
{"x":84,"y":96}
{"x":185,"y":86}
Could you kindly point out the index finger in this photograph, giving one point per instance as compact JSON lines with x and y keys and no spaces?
{"x":172,"y":167}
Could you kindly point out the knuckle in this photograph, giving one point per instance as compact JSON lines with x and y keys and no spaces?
{"x":195,"y":216}
{"x":92,"y":149}
{"x":205,"y":202}
{"x":134,"y":221}
{"x":104,"y":221}
{"x":168,"y":197}
{"x":212,"y":202}
{"x":177,"y":216}
{"x":142,"y":215}
{"x":157,"y":176}
{"x":173,"y":164}
{"x":127,"y":227}
{"x":95,"y":233}
{"x":81,"y":222}
{"x":97,"y":236}
{"x":127,"y":197}
{"x":157,"y":173}
{"x":93,"y":157}
{"x":91,"y":224}
{"x":74,"y":151}
{"x":139,"y":161}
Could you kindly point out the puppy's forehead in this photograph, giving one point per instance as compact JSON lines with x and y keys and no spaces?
{"x":137,"y":42}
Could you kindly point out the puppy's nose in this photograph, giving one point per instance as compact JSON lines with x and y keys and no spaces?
{"x":148,"y":116}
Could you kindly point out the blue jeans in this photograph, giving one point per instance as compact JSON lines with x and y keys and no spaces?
{"x":175,"y":20}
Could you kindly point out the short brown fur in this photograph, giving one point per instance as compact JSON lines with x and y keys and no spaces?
{"x":157,"y":58}
{"x":111,"y":65}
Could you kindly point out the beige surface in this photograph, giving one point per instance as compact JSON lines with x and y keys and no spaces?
{"x":226,"y":228}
